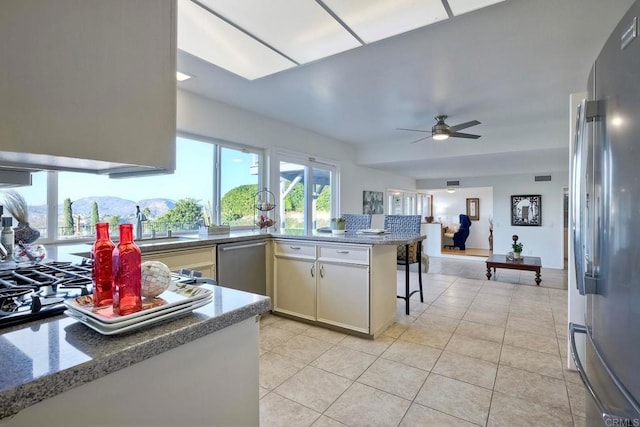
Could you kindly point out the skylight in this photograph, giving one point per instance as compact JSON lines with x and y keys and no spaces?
{"x":256,"y":38}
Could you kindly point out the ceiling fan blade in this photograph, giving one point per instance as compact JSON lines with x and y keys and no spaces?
{"x":414,"y":130}
{"x":463,"y":125}
{"x":464,"y":135}
{"x":421,"y":139}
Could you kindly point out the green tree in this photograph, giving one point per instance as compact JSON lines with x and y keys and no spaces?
{"x":114,"y":222}
{"x":295,"y":199}
{"x":67,"y":222}
{"x":323,"y":202}
{"x":238,"y":202}
{"x":185,"y":214}
{"x":95,"y":215}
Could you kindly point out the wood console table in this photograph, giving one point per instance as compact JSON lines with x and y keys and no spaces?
{"x":528,"y":263}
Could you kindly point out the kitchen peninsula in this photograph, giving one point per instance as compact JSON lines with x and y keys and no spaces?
{"x":201,"y":369}
{"x":206,"y":361}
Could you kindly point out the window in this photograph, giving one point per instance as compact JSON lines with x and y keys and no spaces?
{"x":180,"y":201}
{"x":307,"y":194}
{"x":401,"y":202}
{"x":36,"y":198}
{"x":239,"y":177}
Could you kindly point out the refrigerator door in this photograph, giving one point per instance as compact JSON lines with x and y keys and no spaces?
{"x":613,"y":311}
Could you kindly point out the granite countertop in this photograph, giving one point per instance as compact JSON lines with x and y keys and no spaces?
{"x":43,"y":358}
{"x":355,"y":238}
{"x":69,"y":252}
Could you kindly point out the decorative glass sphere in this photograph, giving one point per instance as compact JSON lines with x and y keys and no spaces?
{"x":156,"y":278}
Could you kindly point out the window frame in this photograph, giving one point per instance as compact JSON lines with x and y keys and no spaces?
{"x":282,"y":155}
{"x":53,"y":185}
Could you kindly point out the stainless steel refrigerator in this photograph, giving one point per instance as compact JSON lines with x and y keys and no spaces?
{"x":606,"y":229}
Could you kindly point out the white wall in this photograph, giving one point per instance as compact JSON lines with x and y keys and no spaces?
{"x":545,"y":241}
{"x":202,"y":116}
{"x":448,"y":207}
{"x":354,"y":179}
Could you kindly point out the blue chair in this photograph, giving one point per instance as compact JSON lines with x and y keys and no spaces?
{"x":355,"y":222}
{"x":407,"y":254}
{"x":460,"y":236}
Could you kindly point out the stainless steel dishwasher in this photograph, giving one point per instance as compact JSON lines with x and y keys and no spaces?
{"x":242,"y":266}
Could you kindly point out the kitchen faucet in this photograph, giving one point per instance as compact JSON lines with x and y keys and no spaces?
{"x":140,"y":217}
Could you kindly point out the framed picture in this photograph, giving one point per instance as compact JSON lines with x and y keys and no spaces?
{"x":526,"y":210}
{"x":473,"y":209}
{"x":372,"y":202}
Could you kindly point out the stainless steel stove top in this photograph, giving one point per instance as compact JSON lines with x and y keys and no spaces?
{"x":30,"y":291}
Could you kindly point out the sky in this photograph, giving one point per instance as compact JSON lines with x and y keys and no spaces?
{"x":191,"y":179}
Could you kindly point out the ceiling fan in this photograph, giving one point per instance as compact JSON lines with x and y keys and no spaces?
{"x":441,"y":131}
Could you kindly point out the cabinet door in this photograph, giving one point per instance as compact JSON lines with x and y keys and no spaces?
{"x":343,"y":295}
{"x":295,"y":287}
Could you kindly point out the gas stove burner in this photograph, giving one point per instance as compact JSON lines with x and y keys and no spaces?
{"x":29,"y":292}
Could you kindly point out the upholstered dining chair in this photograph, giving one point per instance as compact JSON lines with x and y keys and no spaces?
{"x":355,"y":222}
{"x":409,"y":253}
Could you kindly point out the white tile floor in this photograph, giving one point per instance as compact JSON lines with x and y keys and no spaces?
{"x":476,"y":352}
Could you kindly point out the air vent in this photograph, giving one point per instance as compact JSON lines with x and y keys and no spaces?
{"x":543,"y":178}
{"x":450,"y":183}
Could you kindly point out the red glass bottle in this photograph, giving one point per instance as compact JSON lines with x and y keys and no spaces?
{"x":102,"y":270}
{"x":127,"y":291}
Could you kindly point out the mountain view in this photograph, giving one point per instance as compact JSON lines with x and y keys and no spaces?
{"x":107,"y":206}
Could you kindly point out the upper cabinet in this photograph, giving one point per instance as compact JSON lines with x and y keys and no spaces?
{"x":88,"y":85}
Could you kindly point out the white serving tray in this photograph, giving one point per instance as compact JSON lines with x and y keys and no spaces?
{"x":145,"y":316}
{"x":137,"y":323}
{"x":177,"y":294}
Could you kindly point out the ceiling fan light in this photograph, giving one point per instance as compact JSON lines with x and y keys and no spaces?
{"x":440,"y":136}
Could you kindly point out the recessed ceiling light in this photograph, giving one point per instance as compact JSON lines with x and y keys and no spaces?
{"x":182,"y":76}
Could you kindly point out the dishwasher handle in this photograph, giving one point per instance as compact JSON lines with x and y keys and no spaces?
{"x":233,"y":248}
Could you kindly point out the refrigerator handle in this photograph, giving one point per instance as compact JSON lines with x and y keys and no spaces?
{"x":606,"y":414}
{"x":582,"y":203}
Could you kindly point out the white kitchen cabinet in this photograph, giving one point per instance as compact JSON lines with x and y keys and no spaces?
{"x":351,"y":286}
{"x":295,"y":290}
{"x":198,"y":259}
{"x":88,"y":84}
{"x":343,"y":295}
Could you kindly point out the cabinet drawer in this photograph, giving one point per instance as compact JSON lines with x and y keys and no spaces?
{"x":295,"y":248}
{"x":187,"y":258}
{"x":348,"y":254}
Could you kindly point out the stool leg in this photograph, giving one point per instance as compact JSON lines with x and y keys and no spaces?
{"x":420,"y":270}
{"x":406,"y":280}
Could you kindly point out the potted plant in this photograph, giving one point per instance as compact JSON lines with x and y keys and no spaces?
{"x":517,"y":247}
{"x":337,"y":225}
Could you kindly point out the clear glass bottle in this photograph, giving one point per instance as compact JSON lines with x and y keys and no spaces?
{"x":7,"y":236}
{"x":127,"y":293}
{"x":102,"y":271}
